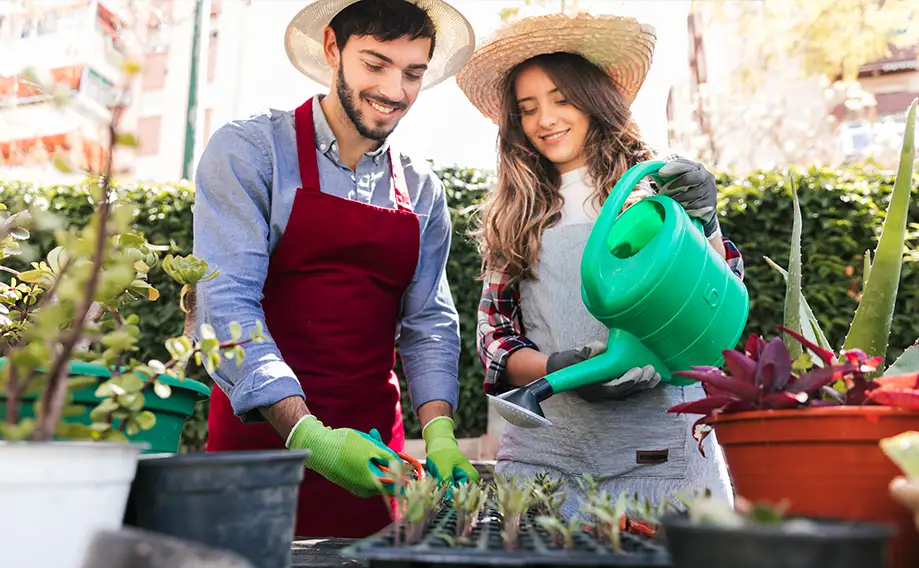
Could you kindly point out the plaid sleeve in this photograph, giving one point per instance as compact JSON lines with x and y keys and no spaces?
{"x":499,"y":331}
{"x":734,"y":258}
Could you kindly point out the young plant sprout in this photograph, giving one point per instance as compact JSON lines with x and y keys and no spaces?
{"x":605,"y":517}
{"x":547,"y":495}
{"x":417,"y":503}
{"x":468,"y":500}
{"x":512,"y":499}
{"x":561,"y":531}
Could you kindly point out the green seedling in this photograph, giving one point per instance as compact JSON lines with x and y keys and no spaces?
{"x":512,"y":499}
{"x":562,"y":532}
{"x":468,"y":500}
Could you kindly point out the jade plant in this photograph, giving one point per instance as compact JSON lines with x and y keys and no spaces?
{"x":69,"y":306}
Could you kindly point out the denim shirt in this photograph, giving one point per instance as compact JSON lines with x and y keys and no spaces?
{"x":245,"y":183}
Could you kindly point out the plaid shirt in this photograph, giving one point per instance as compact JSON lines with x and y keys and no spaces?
{"x":500,"y":331}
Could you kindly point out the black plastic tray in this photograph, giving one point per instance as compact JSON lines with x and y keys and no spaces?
{"x":536,"y":547}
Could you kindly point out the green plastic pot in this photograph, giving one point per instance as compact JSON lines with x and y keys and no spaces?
{"x":170,"y":413}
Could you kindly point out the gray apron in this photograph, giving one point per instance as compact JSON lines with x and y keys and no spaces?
{"x":632,"y":442}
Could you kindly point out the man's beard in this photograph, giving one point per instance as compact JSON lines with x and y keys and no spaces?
{"x":349,"y":101}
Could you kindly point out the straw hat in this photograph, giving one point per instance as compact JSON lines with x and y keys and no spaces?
{"x":622,"y":46}
{"x":454,"y":43}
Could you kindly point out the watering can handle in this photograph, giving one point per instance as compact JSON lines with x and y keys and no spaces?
{"x":623,"y":189}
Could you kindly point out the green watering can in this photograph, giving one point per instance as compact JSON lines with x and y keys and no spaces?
{"x":667,"y":297}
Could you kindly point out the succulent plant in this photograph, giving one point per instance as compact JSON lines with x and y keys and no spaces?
{"x":563,"y":532}
{"x":764,"y":377}
{"x":512,"y":499}
{"x":417,"y":503}
{"x":468,"y":500}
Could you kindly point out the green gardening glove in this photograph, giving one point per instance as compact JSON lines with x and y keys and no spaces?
{"x":444,"y":459}
{"x":344,"y":456}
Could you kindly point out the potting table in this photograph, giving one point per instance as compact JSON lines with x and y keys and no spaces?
{"x":322,"y":553}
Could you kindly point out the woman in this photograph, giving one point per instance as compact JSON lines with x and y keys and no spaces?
{"x":559,"y":89}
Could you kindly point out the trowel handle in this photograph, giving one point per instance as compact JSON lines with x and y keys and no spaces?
{"x":623,"y":352}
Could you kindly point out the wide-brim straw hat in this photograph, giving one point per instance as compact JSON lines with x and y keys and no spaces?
{"x":622,"y":46}
{"x":454,"y":41}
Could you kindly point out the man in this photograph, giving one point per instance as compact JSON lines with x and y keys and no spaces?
{"x":339,"y":244}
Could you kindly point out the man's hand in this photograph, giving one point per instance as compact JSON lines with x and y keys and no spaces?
{"x":444,"y":459}
{"x":693,"y":187}
{"x":342,"y":455}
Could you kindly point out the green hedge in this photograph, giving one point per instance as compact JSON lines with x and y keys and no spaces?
{"x":842,"y":211}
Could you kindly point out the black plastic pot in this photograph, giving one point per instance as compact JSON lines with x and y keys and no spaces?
{"x":485,"y":547}
{"x":245,"y":502}
{"x":828,"y":544}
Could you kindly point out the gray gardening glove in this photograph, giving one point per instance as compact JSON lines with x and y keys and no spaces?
{"x":692,"y":186}
{"x":561,"y":359}
{"x":635,"y":380}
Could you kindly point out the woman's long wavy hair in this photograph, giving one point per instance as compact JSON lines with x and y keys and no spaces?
{"x":526,"y":199}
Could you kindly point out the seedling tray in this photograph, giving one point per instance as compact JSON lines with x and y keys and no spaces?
{"x":485,"y":547}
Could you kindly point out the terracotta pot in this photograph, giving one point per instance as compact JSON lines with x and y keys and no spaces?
{"x":826,"y":462}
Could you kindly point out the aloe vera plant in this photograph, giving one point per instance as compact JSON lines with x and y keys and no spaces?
{"x":869,"y":330}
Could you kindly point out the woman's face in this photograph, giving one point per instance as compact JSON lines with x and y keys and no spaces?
{"x":555,"y":127}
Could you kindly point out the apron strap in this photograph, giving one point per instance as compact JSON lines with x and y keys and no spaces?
{"x":309,"y":168}
{"x":398,"y":180}
{"x":306,"y":145}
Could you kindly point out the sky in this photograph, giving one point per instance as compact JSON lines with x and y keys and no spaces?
{"x":442,"y":125}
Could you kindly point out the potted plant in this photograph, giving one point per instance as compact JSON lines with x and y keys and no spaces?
{"x":62,"y":331}
{"x":793,"y":414}
{"x":712,"y":533}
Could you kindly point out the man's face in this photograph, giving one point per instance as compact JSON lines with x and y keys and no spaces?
{"x":377,"y":82}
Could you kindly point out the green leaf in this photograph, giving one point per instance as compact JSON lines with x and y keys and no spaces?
{"x":74,"y":431}
{"x":236,"y":331}
{"x":812,"y":331}
{"x":907,"y":362}
{"x":870,"y":329}
{"x":146,"y":420}
{"x":793,"y":294}
{"x":157,"y":366}
{"x":20,"y":431}
{"x":31,"y":276}
{"x":131,"y":383}
{"x":19,"y":234}
{"x":162,"y":390}
{"x":80,"y":383}
{"x":115,"y":436}
{"x":126,"y":139}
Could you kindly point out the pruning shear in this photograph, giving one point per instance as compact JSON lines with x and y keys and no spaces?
{"x":385,"y":477}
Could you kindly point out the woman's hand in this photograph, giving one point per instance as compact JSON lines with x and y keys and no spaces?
{"x":637,"y":379}
{"x":691,"y":185}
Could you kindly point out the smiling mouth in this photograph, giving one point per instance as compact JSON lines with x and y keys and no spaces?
{"x":554,"y":136}
{"x":382,"y":108}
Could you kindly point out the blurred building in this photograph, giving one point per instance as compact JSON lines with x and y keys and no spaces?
{"x":80,"y":46}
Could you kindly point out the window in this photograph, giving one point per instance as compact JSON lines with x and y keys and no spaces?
{"x":154,"y":71}
{"x":148,"y":135}
{"x":99,"y":89}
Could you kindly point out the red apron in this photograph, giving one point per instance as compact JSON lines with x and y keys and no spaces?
{"x":332,"y":298}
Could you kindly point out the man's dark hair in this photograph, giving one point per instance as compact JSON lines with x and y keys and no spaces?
{"x":385,"y":20}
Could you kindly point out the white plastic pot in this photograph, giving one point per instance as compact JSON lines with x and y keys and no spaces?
{"x":55,"y":495}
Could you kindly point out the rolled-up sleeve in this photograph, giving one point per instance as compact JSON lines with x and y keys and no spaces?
{"x":429,"y":339}
{"x":231,"y":230}
{"x":499,"y":331}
